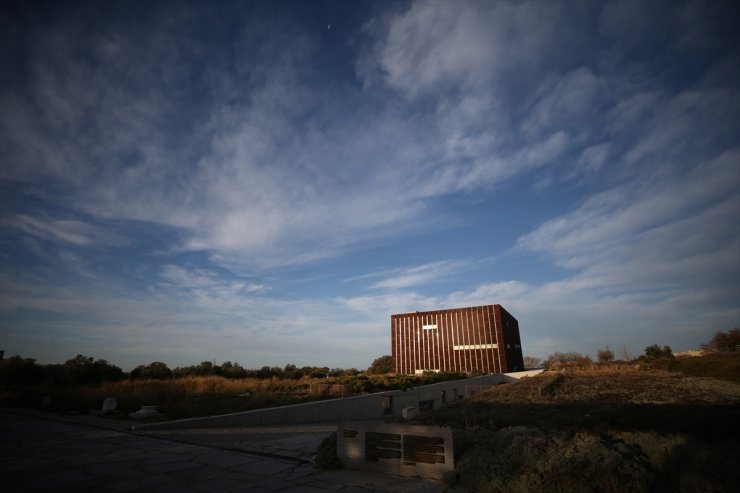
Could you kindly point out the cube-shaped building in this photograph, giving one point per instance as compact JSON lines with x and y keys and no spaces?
{"x":479,"y":339}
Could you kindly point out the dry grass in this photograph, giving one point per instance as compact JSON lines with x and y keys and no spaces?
{"x":626,"y":387}
{"x":634,"y":400}
{"x":206,"y":395}
{"x":721,"y":366}
{"x":636,"y":431}
{"x":176,"y":398}
{"x":525,"y":459}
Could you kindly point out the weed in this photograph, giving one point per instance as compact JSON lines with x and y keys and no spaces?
{"x":326,"y":455}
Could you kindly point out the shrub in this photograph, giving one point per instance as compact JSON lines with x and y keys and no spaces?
{"x":530,"y":362}
{"x":155,"y":371}
{"x":724,"y":341}
{"x":381,"y":365}
{"x":605,"y":355}
{"x":655,"y":352}
{"x":326,"y":454}
{"x":87,"y":370}
{"x":557,"y":360}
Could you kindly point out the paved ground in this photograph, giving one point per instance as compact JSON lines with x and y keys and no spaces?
{"x":47,"y":453}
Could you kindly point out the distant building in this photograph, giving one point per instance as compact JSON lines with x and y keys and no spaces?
{"x":480,"y":339}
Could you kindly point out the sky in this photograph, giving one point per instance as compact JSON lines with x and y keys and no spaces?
{"x":268,"y":182}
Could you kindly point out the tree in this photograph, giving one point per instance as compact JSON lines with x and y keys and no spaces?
{"x":626,"y":354}
{"x":86,"y":370}
{"x":291,"y":371}
{"x":232,"y":370}
{"x":605,"y":355}
{"x":530,"y":362}
{"x":381,"y":365}
{"x":724,"y":341}
{"x":558,"y":360}
{"x":155,"y":371}
{"x":17,"y":371}
{"x":654,"y":352}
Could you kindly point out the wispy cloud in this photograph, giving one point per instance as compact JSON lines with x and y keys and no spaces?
{"x":420,"y":275}
{"x":249,"y":182}
{"x":69,"y":231}
{"x":195,"y":169}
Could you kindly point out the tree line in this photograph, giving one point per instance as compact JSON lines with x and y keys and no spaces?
{"x":728,"y":341}
{"x":86,"y":370}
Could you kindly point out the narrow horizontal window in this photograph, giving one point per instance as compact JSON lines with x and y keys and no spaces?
{"x":475,"y":346}
{"x":429,"y":327}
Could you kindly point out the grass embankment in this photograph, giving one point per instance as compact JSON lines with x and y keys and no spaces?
{"x":601,"y":431}
{"x":175,"y":398}
{"x":722,"y":366}
{"x":205,"y":395}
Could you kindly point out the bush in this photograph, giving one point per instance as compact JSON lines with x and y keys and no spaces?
{"x":720,"y":366}
{"x":154,"y":371}
{"x":381,"y":365}
{"x":605,"y":355}
{"x":530,"y":362}
{"x":557,"y":360}
{"x":724,"y":341}
{"x":326,"y":454}
{"x":87,"y":370}
{"x":655,"y":352}
{"x":16,"y":371}
{"x":525,"y":459}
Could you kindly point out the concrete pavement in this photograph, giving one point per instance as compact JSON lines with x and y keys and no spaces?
{"x":48,"y":453}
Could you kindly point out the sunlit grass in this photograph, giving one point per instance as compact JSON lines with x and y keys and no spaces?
{"x":206,"y":395}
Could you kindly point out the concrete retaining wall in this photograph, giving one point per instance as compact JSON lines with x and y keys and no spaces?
{"x":382,"y":405}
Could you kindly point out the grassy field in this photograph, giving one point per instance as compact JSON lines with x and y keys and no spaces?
{"x":722,"y":366}
{"x":205,"y":395}
{"x":598,"y":431}
{"x":176,"y":398}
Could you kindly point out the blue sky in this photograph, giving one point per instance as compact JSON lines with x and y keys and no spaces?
{"x":267,"y":182}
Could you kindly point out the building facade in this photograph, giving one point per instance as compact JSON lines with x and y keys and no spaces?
{"x":480,"y":339}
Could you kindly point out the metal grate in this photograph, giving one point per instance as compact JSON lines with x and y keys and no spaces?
{"x":382,"y":446}
{"x":423,"y":449}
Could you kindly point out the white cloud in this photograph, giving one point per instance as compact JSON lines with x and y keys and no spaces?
{"x":69,"y":231}
{"x":566,"y":101}
{"x":623,"y":216}
{"x":251,"y":153}
{"x":261,"y":166}
{"x":417,"y":275}
{"x":438,"y":45}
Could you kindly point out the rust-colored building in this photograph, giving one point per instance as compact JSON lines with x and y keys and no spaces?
{"x":481,"y":339}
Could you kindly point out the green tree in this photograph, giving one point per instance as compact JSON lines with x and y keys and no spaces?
{"x":381,"y":365}
{"x":155,"y":371}
{"x":86,"y":370}
{"x":654,"y":352}
{"x":18,"y":371}
{"x":232,"y":370}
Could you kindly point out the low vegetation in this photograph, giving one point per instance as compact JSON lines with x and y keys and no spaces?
{"x":632,"y":430}
{"x":657,"y":422}
{"x":721,"y":366}
{"x":82,"y":383}
{"x":326,"y":454}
